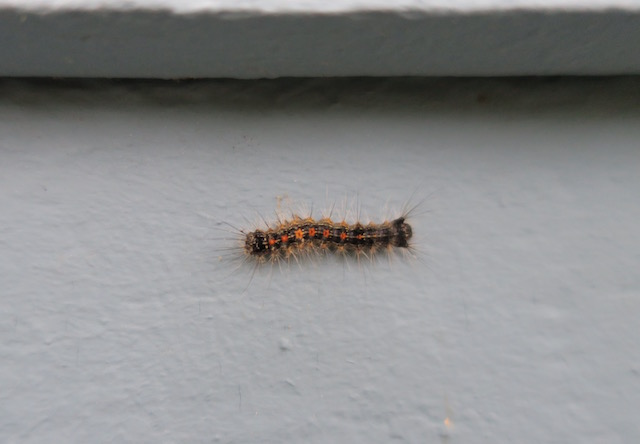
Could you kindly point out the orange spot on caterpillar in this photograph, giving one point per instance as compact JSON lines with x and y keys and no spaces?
{"x":325,"y":232}
{"x":312,"y":232}
{"x":299,"y":234}
{"x":343,"y":235}
{"x":285,"y":238}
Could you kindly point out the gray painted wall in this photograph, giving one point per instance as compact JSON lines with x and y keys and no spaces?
{"x":413,"y":41}
{"x":121,"y":323}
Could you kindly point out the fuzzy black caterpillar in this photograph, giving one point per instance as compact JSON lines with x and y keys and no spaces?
{"x":304,"y":234}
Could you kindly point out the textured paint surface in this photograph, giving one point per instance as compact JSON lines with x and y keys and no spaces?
{"x":119,"y":323}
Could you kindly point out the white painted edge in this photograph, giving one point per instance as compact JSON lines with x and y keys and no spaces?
{"x":255,"y":7}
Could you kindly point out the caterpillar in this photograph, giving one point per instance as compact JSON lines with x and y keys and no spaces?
{"x":298,"y":237}
{"x":306,"y":234}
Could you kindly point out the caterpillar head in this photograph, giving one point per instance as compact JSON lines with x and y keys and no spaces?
{"x":256,"y":243}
